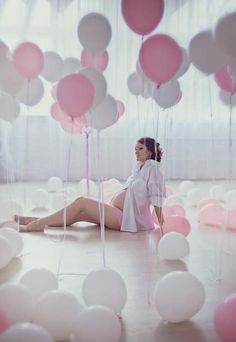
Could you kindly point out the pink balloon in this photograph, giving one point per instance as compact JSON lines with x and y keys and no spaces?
{"x":58,"y":114}
{"x":3,"y":322}
{"x":75,"y":94}
{"x":120,"y":108}
{"x":71,"y":127}
{"x":142,"y":16}
{"x":160,"y":58}
{"x":178,"y":210}
{"x":166,"y":212}
{"x":211,"y":215}
{"x":224,"y":319}
{"x":224,"y":80}
{"x":28,"y":60}
{"x":205,"y":201}
{"x":81,"y":121}
{"x":231,"y":219}
{"x":177,"y":224}
{"x":98,"y":61}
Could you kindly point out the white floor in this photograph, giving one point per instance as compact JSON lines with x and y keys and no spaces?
{"x":211,"y":259}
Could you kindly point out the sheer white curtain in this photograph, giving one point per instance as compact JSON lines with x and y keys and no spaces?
{"x":194,"y":134}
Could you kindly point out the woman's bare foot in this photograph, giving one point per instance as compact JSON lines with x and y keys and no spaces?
{"x":24,"y":219}
{"x":35,"y":226}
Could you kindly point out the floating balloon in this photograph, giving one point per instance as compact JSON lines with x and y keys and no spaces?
{"x":75,"y":94}
{"x":168,"y":94}
{"x":173,"y":246}
{"x":32,"y":93}
{"x":98,"y":61}
{"x":224,"y":80}
{"x":205,"y":54}
{"x":53,"y":66}
{"x":105,"y":328}
{"x":94,"y":32}
{"x":58,"y":114}
{"x":139,"y":85}
{"x":160,"y":58}
{"x":10,"y":80}
{"x":177,"y":224}
{"x":178,"y":209}
{"x":179,"y":296}
{"x":71,"y":66}
{"x":184,"y":65}
{"x":142,"y":16}
{"x":26,"y":332}
{"x":4,"y":51}
{"x":10,"y":108}
{"x":96,"y":289}
{"x":120,"y":108}
{"x":99,"y":82}
{"x":28,"y":60}
{"x":224,"y":34}
{"x":224,"y":319}
{"x":72,"y":127}
{"x":104,"y":115}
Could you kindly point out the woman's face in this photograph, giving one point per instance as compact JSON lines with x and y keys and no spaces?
{"x":141,"y":152}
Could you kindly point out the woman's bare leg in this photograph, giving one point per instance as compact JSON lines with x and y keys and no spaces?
{"x":24,"y":219}
{"x":82,"y":209}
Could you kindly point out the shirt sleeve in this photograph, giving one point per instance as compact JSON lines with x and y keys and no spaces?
{"x":156,"y":187}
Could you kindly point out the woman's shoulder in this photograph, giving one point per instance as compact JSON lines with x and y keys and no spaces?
{"x":152,"y":163}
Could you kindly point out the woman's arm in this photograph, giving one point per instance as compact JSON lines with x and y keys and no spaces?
{"x":158,"y":211}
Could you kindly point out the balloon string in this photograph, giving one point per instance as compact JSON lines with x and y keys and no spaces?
{"x":230,"y":140}
{"x":101,"y":201}
{"x":87,"y":165}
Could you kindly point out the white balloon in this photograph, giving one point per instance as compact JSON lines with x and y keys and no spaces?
{"x":227,"y":98}
{"x":217,"y":192}
{"x":146,"y":85}
{"x":96,"y":289}
{"x":230,"y":198}
{"x":82,"y":188}
{"x":140,"y":85}
{"x":168,"y":94}
{"x":32,"y":93}
{"x":15,"y":239}
{"x":193,"y":196}
{"x":104,"y":115}
{"x":99,"y":82}
{"x":39,"y":198}
{"x":184,"y":65}
{"x":10,"y":208}
{"x":185,"y":186}
{"x":94,"y":32}
{"x":10,"y":80}
{"x":39,"y":281}
{"x":26,"y":332}
{"x":4,"y":51}
{"x":10,"y":108}
{"x":105,"y":325}
{"x":205,"y":53}
{"x":6,"y":253}
{"x":71,"y":66}
{"x":225,"y":34}
{"x":56,"y":312}
{"x":173,"y":199}
{"x":179,"y":296}
{"x":173,"y":246}
{"x":55,"y":184}
{"x":53,"y":66}
{"x":16,"y":302}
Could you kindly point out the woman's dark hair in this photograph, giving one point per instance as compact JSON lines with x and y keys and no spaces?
{"x":153,"y":147}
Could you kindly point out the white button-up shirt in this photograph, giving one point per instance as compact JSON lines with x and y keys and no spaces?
{"x":145,"y":187}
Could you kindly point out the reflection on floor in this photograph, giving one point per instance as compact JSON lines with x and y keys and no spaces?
{"x":211,"y":259}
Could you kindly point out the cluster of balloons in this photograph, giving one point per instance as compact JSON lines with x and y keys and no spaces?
{"x":219,"y":57}
{"x":57,"y":314}
{"x":161,"y":60}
